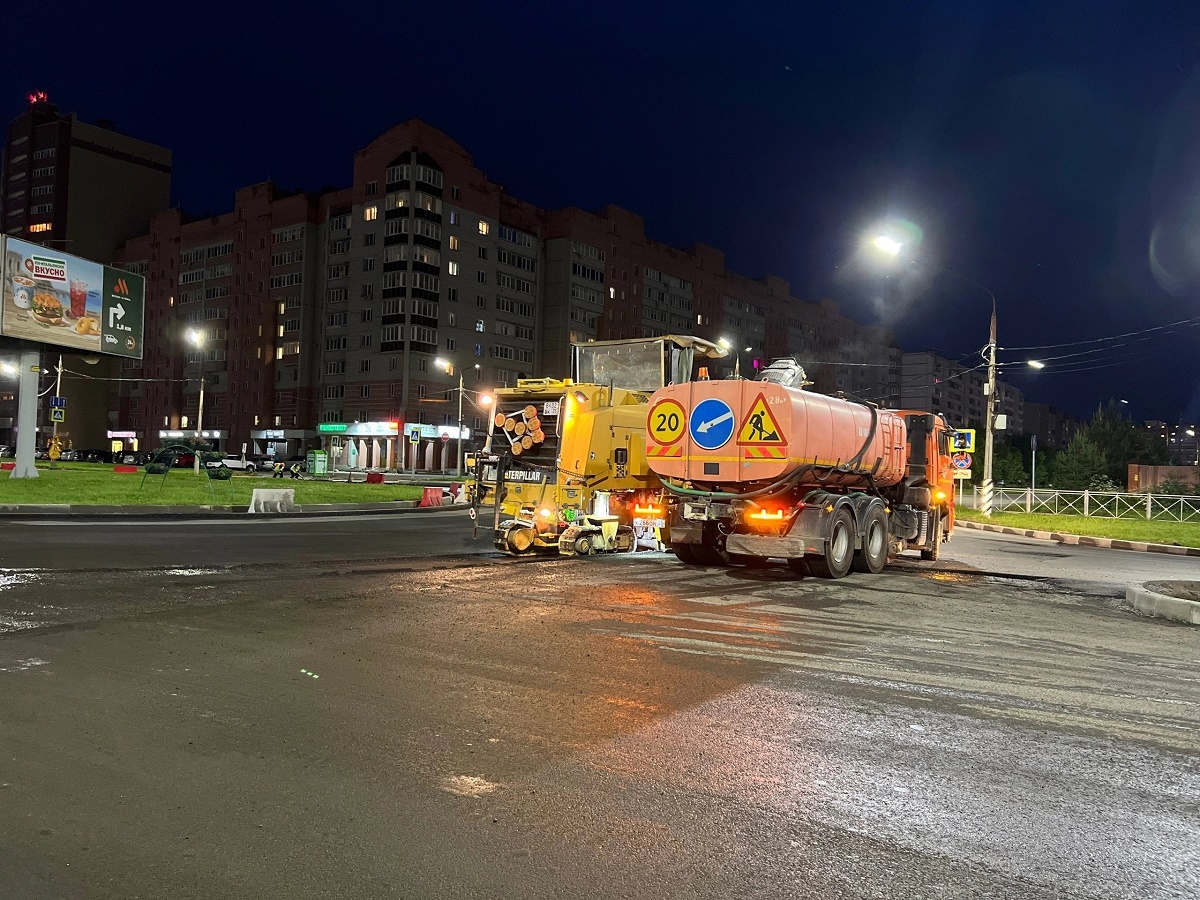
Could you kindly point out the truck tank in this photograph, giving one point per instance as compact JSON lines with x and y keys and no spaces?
{"x":742,"y":435}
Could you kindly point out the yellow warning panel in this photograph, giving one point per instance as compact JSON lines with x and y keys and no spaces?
{"x":759,"y":428}
{"x":667,"y":421}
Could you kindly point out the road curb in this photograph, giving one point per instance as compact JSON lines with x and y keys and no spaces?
{"x":1162,"y":606}
{"x":1083,"y":540}
{"x":17,"y":512}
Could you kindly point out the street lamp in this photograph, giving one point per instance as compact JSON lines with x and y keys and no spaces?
{"x":737,"y":359}
{"x":892,"y":247}
{"x":7,"y":368}
{"x":196,"y":339}
{"x":1035,"y":364}
{"x":448,"y":367}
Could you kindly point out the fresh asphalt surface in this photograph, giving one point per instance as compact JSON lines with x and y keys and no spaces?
{"x":377,"y":707}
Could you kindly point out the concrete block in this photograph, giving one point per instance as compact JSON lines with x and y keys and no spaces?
{"x":1161,"y":606}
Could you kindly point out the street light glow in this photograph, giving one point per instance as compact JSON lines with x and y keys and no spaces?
{"x":195,"y":337}
{"x":725,"y":342}
{"x":8,"y":368}
{"x":443,"y":364}
{"x":1035,"y":364}
{"x":485,"y":399}
{"x":885,"y":243}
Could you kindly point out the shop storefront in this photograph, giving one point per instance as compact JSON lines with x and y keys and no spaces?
{"x":216,"y":437}
{"x":281,"y":443}
{"x":390,"y":445}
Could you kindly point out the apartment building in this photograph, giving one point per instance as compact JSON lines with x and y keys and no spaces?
{"x":1053,"y":427}
{"x":82,"y":189}
{"x":1182,"y":440}
{"x":424,"y":258}
{"x":230,"y":300}
{"x":931,"y":382}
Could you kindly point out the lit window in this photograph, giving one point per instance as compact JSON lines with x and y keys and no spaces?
{"x":41,"y":226}
{"x":453,"y":242}
{"x":183,"y":422}
{"x":453,"y":218}
{"x":452,"y":268}
{"x":370,"y":213}
{"x":484,"y":228}
{"x":479,"y":326}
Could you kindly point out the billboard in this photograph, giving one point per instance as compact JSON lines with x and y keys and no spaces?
{"x":56,"y":298}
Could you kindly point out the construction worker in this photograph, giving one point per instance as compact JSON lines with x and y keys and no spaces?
{"x":295,"y":469}
{"x":277,"y":470}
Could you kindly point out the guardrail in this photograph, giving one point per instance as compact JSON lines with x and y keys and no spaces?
{"x":1097,"y":504}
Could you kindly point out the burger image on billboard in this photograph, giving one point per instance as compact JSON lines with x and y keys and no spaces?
{"x":47,"y":308}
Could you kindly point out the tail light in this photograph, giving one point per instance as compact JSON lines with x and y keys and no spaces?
{"x":647,"y":511}
{"x":767,"y":515}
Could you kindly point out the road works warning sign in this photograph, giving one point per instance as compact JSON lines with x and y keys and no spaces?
{"x":759,"y":428}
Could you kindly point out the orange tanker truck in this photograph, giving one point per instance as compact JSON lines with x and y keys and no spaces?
{"x":757,"y":470}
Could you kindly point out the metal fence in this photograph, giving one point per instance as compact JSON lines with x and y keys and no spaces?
{"x":1100,"y":504}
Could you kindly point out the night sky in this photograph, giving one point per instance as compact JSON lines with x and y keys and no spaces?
{"x":1050,"y":152}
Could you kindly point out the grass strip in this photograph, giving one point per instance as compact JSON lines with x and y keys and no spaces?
{"x":92,"y":484}
{"x":1153,"y":531}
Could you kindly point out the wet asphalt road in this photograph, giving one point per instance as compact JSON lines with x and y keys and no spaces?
{"x":623,"y":727}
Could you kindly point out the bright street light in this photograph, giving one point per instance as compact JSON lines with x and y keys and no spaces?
{"x":195,"y":337}
{"x":7,"y":368}
{"x":725,"y":342}
{"x":485,"y":399}
{"x":1036,"y":364}
{"x":887,"y":244}
{"x":443,"y":364}
{"x":1191,"y":432}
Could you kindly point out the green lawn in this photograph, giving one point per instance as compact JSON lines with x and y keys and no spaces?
{"x":85,"y":483}
{"x":1186,"y":534}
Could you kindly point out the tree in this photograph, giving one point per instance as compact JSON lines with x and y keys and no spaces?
{"x":1121,"y":442}
{"x":1079,"y":464}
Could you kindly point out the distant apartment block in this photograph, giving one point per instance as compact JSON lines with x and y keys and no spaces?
{"x":84,"y":189}
{"x":322,"y":315}
{"x":941,"y":385}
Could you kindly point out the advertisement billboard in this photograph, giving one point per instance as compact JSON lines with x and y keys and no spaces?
{"x":56,"y":298}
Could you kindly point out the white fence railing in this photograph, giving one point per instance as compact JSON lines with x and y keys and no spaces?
{"x":1100,"y":504}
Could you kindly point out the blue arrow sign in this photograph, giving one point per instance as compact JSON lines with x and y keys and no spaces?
{"x":711,"y":424}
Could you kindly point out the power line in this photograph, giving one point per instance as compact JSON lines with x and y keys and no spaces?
{"x":1182,"y":323}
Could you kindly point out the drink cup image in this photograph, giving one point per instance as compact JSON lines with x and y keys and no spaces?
{"x":22,"y":291}
{"x":79,"y":292}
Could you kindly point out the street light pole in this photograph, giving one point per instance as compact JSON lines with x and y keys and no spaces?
{"x":458,"y":458}
{"x":990,"y":350}
{"x":197,"y":340}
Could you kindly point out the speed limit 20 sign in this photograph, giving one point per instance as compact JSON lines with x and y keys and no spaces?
{"x":667,"y":421}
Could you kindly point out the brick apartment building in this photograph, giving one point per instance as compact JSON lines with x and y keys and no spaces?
{"x":320,"y":311}
{"x":82,"y":189}
{"x":957,"y":391}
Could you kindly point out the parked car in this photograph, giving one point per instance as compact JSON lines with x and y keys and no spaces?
{"x":234,"y":462}
{"x":184,"y":461}
{"x":262,"y":462}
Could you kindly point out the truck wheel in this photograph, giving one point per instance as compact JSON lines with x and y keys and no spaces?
{"x":839,"y":548}
{"x":873,"y":556}
{"x":686,"y":553}
{"x":583,"y":546}
{"x":935,"y":548}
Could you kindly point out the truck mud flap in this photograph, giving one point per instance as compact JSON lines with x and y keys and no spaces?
{"x":687,"y":532}
{"x":764,"y":545}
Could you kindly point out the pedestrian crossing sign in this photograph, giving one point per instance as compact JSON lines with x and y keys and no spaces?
{"x":58,"y":415}
{"x":759,"y":428}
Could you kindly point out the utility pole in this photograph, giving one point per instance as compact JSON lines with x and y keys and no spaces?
{"x":57,"y":393}
{"x":990,"y":351}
